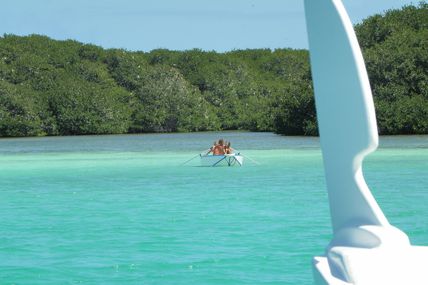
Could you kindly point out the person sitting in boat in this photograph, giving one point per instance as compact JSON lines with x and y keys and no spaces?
{"x":219,"y":148}
{"x":211,"y":150}
{"x":228,"y":149}
{"x":225,"y":146}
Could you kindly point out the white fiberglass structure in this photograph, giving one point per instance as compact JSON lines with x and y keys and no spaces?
{"x":365,"y":248}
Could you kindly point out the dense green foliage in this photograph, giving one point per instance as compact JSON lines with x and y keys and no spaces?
{"x":395,"y":47}
{"x":50,"y":87}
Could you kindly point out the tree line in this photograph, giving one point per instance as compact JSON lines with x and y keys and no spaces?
{"x":50,"y":87}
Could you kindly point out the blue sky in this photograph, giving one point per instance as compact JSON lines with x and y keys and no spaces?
{"x":219,"y":25}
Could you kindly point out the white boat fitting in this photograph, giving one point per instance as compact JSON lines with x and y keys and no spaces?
{"x":234,"y":159}
{"x":366,"y":249}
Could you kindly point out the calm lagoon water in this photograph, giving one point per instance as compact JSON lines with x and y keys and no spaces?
{"x":123,"y":209}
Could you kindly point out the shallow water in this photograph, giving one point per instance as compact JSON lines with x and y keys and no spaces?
{"x":123,"y":209}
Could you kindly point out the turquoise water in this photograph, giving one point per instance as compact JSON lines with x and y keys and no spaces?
{"x":123,"y":210}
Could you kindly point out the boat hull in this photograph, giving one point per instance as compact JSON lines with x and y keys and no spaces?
{"x":222,"y":160}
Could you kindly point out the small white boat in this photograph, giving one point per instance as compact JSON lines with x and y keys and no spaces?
{"x":222,"y":160}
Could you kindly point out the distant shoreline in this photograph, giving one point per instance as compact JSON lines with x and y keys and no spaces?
{"x":201,"y":132}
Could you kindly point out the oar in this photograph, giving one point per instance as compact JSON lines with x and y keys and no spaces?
{"x":239,"y":152}
{"x":251,"y":159}
{"x":194,"y":157}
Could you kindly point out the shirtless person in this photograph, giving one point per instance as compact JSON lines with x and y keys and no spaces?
{"x":219,"y":148}
{"x":229,"y":149}
{"x":212,"y":148}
